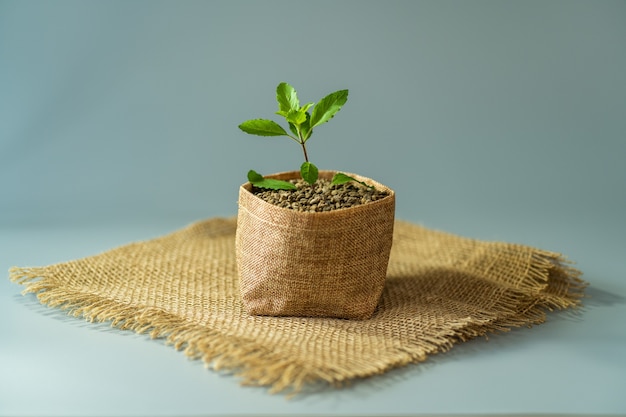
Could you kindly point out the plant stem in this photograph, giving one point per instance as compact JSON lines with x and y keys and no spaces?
{"x":306,"y":157}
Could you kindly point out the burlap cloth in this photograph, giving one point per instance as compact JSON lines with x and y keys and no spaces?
{"x":441,"y":289}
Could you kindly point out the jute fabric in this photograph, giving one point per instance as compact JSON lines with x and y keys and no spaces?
{"x":440,"y":289}
{"x":328,"y":264}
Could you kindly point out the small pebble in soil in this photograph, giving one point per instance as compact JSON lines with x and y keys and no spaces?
{"x":321,"y":196}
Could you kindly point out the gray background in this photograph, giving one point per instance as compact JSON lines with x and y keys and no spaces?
{"x":491,"y":119}
{"x":485,"y":112}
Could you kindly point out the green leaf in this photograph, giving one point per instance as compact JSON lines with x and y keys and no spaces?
{"x":306,"y":107}
{"x":257,"y":180}
{"x":327,"y":107}
{"x":293,"y":129}
{"x":297,"y":117}
{"x":341,"y":178}
{"x":254,"y":176}
{"x":262,"y":127}
{"x":287,"y":98}
{"x":273,"y":184}
{"x":305,"y":127}
{"x":309,"y":172}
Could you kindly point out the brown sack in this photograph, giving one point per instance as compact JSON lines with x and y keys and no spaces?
{"x":325,"y":264}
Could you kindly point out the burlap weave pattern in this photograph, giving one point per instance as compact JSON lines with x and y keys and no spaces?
{"x":440,"y":289}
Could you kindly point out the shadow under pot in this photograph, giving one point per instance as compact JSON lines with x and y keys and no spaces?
{"x":313,"y":264}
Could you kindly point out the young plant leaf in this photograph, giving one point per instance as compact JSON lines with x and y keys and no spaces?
{"x":262,"y":127}
{"x":297,"y":117}
{"x":341,"y":178}
{"x":305,"y":127}
{"x":309,"y":172}
{"x":258,"y":180}
{"x":327,"y":107}
{"x":254,"y":176}
{"x":287,"y":98}
{"x":306,"y":107}
{"x":293,"y":129}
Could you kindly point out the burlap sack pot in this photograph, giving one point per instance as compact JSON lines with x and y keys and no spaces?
{"x":327,"y":264}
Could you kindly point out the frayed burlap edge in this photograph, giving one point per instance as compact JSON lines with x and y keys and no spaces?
{"x":557,"y":285}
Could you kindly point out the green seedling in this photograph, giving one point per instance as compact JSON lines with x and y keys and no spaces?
{"x":301,"y":121}
{"x":341,"y":178}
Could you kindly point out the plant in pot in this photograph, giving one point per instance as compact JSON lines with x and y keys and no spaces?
{"x":311,"y":243}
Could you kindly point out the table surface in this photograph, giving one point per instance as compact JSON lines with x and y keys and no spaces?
{"x":54,"y":364}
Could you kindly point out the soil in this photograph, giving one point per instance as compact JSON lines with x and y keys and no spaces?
{"x":320,"y":197}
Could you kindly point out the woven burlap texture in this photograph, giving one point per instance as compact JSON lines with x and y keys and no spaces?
{"x":330,"y":264}
{"x":441,"y":289}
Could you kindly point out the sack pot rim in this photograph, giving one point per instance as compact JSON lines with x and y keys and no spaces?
{"x":323,"y":174}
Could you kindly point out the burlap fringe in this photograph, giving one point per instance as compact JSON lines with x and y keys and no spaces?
{"x":561,"y":283}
